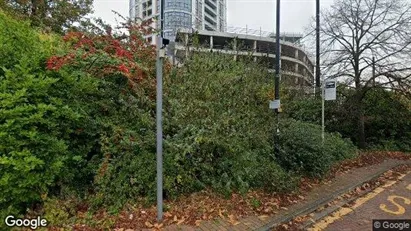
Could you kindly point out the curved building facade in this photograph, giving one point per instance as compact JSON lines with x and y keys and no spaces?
{"x":297,"y":69}
{"x":189,"y":14}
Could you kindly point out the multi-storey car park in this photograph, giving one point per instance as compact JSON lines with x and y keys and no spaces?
{"x":297,"y":69}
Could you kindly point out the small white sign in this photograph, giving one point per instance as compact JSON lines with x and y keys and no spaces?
{"x":275,"y":104}
{"x":330,"y":90}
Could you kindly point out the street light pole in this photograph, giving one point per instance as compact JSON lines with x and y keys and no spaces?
{"x":317,"y":68}
{"x":373,"y":70}
{"x":159,"y":108}
{"x":277,"y":79}
{"x":322,"y":111}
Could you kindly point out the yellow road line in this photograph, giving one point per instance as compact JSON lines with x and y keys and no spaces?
{"x":323,"y":223}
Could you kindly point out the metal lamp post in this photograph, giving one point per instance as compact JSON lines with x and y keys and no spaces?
{"x":276,"y":103}
{"x":317,"y":66}
{"x":159,"y":108}
{"x":277,"y":76}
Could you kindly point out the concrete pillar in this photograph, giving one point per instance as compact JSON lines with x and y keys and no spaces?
{"x":235,"y":48}
{"x":186,"y":44}
{"x":296,"y":57}
{"x":255,"y":50}
{"x":211,"y":42}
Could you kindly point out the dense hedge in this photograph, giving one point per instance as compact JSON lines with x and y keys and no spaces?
{"x":387,"y":116}
{"x":34,"y":121}
{"x":303,"y":150}
{"x":62,"y":132}
{"x":219,"y":124}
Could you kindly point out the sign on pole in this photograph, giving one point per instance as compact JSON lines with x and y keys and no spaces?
{"x":275,"y":104}
{"x":330,"y":90}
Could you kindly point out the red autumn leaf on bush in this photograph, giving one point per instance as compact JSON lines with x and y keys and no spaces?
{"x":107,"y":53}
{"x":123,"y":68}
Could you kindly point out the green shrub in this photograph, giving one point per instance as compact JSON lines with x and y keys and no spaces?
{"x":34,"y":120}
{"x":118,"y":131}
{"x":33,"y":149}
{"x":387,"y":114}
{"x":40,"y":151}
{"x":217,"y":124}
{"x":68,"y":132}
{"x":301,"y":148}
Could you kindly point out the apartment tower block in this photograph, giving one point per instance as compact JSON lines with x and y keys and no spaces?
{"x":208,"y":15}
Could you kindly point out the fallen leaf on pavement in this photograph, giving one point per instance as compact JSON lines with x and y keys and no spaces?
{"x":232,"y":220}
{"x":220,"y":213}
{"x":198,"y":222}
{"x":148,"y":224}
{"x":180,"y":221}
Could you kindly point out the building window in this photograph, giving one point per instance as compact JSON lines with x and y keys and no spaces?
{"x":221,"y":10}
{"x":147,"y":13}
{"x":184,"y":5}
{"x":147,"y":4}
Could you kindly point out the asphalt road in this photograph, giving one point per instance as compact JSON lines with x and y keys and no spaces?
{"x":391,"y":201}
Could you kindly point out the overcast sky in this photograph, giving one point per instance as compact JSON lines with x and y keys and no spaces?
{"x":295,"y":14}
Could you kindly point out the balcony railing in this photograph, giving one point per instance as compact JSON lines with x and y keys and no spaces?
{"x":260,"y":32}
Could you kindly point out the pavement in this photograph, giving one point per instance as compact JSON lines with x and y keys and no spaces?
{"x":391,"y":201}
{"x":316,"y":198}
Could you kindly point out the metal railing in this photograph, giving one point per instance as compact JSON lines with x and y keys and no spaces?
{"x":269,"y":34}
{"x":259,"y":32}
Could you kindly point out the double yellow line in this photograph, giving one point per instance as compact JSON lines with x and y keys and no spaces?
{"x":323,"y":223}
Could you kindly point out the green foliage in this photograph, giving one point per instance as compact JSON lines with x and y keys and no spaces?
{"x":302,"y":149}
{"x":387,"y":117}
{"x":34,"y":120}
{"x":220,"y":129}
{"x":66,"y":130}
{"x":214,"y":108}
{"x":388,"y":120}
{"x":55,"y":15}
{"x":18,"y":41}
{"x":127,"y":169}
{"x":32,"y":154}
{"x":66,"y":133}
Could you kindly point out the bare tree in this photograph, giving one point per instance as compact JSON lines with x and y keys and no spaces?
{"x":359,"y":35}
